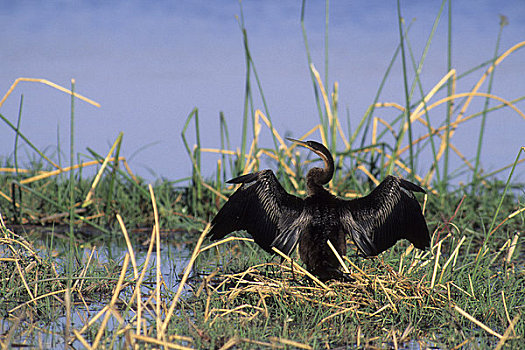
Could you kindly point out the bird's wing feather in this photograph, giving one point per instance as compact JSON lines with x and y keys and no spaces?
{"x":262,"y":207}
{"x":390,"y":212}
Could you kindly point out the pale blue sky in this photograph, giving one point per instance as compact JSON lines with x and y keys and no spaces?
{"x":150,"y":63}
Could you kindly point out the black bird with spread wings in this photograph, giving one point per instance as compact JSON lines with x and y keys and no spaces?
{"x":275,"y":218}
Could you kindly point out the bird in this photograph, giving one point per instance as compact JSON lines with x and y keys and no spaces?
{"x":275,"y":218}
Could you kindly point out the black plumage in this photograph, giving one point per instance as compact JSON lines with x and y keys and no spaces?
{"x":275,"y":218}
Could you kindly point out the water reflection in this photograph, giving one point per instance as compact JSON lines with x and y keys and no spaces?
{"x":26,"y":329}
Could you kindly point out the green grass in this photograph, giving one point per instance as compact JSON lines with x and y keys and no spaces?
{"x":466,"y":291}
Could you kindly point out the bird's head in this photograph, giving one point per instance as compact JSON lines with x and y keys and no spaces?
{"x":317,"y":148}
{"x":323,"y":176}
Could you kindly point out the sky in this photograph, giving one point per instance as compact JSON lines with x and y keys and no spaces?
{"x":149,"y":64}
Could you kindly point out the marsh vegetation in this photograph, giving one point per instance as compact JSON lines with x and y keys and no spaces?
{"x":64,"y":283}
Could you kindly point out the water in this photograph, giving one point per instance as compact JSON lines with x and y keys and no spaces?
{"x":147,"y":62}
{"x":34,"y":331}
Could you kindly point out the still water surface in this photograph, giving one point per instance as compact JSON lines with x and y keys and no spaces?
{"x":50,"y":335}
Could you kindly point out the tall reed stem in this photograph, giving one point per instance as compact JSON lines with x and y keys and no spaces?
{"x":475,"y":174}
{"x":450,"y":103}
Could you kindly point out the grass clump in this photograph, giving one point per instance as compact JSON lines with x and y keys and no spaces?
{"x":445,"y":297}
{"x":29,"y":199}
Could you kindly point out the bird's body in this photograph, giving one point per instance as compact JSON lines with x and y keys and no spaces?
{"x":324,"y":225}
{"x":275,"y":218}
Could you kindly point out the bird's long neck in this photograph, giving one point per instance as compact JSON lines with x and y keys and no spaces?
{"x":318,"y":177}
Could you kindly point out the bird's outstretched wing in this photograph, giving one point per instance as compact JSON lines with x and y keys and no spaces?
{"x":390,"y":212}
{"x":262,"y":207}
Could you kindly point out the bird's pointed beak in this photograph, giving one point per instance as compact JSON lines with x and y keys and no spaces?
{"x":299,"y":142}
